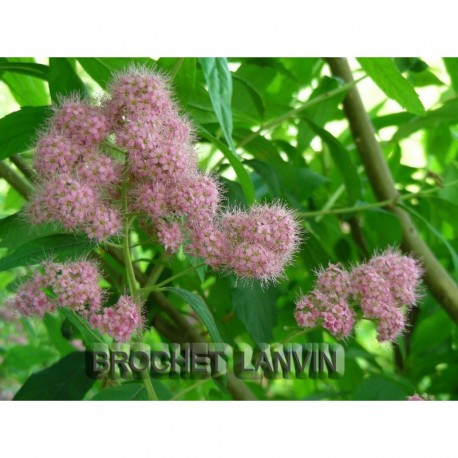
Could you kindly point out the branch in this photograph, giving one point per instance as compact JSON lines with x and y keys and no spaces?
{"x":437,"y":278}
{"x":22,"y":166}
{"x":20,"y":184}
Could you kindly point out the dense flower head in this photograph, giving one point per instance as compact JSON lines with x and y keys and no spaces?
{"x":82,"y":180}
{"x":55,"y":154}
{"x":73,"y":285}
{"x":152,"y":198}
{"x":31,"y":299}
{"x":270,"y":232}
{"x":85,"y":124}
{"x":334,"y":280}
{"x":196,"y":196}
{"x":119,"y":321}
{"x":139,"y":90}
{"x":76,"y":205}
{"x":99,"y":171}
{"x":402,"y":274}
{"x":208,"y":242}
{"x":332,"y":312}
{"x":169,"y":235}
{"x":372,"y":286}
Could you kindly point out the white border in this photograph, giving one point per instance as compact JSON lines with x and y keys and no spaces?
{"x":228,"y":429}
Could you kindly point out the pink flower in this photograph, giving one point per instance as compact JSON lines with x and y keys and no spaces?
{"x":169,"y":235}
{"x":119,"y":321}
{"x":83,"y":123}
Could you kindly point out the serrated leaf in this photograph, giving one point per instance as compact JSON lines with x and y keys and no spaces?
{"x":59,"y":247}
{"x":64,"y":381}
{"x":388,"y":78}
{"x":201,"y":309}
{"x":18,"y":129}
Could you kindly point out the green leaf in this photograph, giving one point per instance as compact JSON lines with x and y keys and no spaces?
{"x":125,"y":392}
{"x":451,"y":64}
{"x":25,"y":68}
{"x":101,"y":69}
{"x":381,"y":387}
{"x":89,"y":335}
{"x":388,"y":78}
{"x":446,"y":114}
{"x":15,"y":230}
{"x":184,"y":80}
{"x":63,"y":80}
{"x":59,"y":247}
{"x":64,"y":381}
{"x":430,"y":333}
{"x":219,"y":82}
{"x":26,"y":87}
{"x":53,"y":324}
{"x":201,"y":309}
{"x":437,"y":233}
{"x":377,"y":218}
{"x":132,"y":391}
{"x":256,"y":308}
{"x":18,"y":130}
{"x":236,"y":164}
{"x":24,"y":357}
{"x":343,"y":161}
{"x":320,"y":113}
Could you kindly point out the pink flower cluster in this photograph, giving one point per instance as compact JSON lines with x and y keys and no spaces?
{"x":380,"y":288}
{"x":328,"y":304}
{"x":183,"y":203}
{"x":76,"y":179}
{"x":75,"y":285}
{"x":80,"y":181}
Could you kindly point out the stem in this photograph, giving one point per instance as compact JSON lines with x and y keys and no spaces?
{"x":22,"y":166}
{"x":158,"y":287}
{"x":131,"y":280}
{"x":19,"y":183}
{"x":152,"y":396}
{"x":437,"y":278}
{"x":383,"y":203}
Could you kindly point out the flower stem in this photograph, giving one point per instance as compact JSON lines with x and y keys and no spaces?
{"x":158,"y":287}
{"x":131,"y":280}
{"x":383,"y":203}
{"x":152,"y":396}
